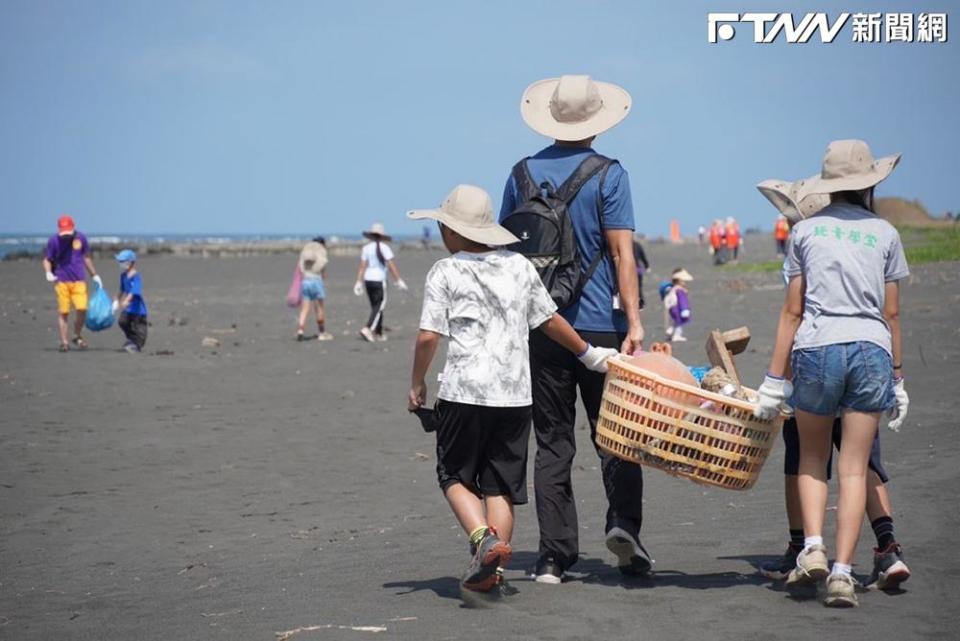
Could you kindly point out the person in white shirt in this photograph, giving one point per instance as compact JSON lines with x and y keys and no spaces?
{"x":376,"y":259}
{"x":485,"y":300}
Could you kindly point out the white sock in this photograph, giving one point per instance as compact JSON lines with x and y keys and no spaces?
{"x":810,"y":541}
{"x":841,"y":568}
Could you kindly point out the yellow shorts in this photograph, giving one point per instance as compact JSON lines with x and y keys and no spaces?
{"x":74,"y":293}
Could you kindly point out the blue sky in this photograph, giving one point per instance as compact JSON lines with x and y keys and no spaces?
{"x":321,"y":117}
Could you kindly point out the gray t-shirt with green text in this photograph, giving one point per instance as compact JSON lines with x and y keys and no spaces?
{"x":846,"y":255}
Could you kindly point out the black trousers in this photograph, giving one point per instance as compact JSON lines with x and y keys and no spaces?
{"x":378,"y":300}
{"x":556,"y":376}
{"x":134,"y":328}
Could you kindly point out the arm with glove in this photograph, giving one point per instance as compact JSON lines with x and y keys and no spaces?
{"x":776,"y":390}
{"x":891,"y":313}
{"x":593,"y":358}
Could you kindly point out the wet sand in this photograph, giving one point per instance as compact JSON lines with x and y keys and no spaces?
{"x":266,"y":485}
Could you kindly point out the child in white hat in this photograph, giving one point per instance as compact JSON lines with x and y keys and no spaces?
{"x":485,"y":300}
{"x":676,"y":305}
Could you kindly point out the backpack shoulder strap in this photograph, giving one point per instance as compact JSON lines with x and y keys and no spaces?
{"x":526,"y":188}
{"x":591,"y":165}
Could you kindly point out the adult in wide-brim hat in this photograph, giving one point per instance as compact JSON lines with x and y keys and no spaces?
{"x":572,"y":108}
{"x":848,"y":165}
{"x":468,"y":211}
{"x":377,"y":232}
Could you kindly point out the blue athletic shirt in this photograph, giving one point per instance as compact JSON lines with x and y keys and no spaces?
{"x":593,"y":312}
{"x":133,"y":285}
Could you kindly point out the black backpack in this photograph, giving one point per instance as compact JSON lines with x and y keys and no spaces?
{"x":543,"y":225}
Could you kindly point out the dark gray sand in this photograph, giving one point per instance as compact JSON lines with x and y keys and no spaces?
{"x":263,"y":486}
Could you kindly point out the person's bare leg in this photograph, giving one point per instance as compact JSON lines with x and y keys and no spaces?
{"x":815,"y":445}
{"x":304,"y":312}
{"x":63,"y":326}
{"x":321,"y":317}
{"x":500,"y":516}
{"x":79,"y":317}
{"x":878,"y":498}
{"x":859,"y":428}
{"x":466,"y":506}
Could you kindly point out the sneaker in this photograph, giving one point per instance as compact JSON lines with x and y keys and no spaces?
{"x":811,"y":566}
{"x":381,"y":338}
{"x":548,"y":571}
{"x":324,"y":336}
{"x":841,"y":591}
{"x":889,"y":570}
{"x":367,"y":335}
{"x":632,"y":558}
{"x":301,"y":337}
{"x":492,"y":553}
{"x":131,"y":348}
{"x":779,"y":569}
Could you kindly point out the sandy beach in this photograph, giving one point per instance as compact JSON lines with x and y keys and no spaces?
{"x":264,"y":485}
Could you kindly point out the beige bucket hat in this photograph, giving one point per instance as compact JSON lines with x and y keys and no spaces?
{"x":848,"y":165}
{"x":377,"y":232}
{"x":571,"y":108}
{"x":468,"y":211}
{"x":783,"y":195}
{"x":682,"y":275}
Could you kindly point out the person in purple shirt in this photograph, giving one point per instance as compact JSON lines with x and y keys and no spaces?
{"x":66,"y":263}
{"x":676,"y":303}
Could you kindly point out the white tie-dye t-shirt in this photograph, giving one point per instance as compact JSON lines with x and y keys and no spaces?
{"x":486,"y":304}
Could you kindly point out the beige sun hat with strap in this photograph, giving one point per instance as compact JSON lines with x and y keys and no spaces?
{"x":468,"y":211}
{"x":571,"y":108}
{"x":377,"y":232}
{"x":783,"y":195}
{"x":848,"y":165}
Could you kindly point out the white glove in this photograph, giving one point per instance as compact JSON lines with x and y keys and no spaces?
{"x":114,"y":306}
{"x":51,"y":278}
{"x":98,"y":280}
{"x":899,"y":412}
{"x":358,"y":288}
{"x":402,"y":286}
{"x":774,"y":393}
{"x":595,"y":358}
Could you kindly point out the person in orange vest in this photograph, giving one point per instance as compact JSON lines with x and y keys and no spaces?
{"x":781,"y":231}
{"x":733,"y":238}
{"x":717,"y":246}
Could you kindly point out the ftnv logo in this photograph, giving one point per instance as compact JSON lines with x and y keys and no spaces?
{"x":767,"y":27}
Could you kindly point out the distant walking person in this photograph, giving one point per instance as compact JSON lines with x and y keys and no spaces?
{"x":376,"y":259}
{"x":781,"y":231}
{"x":640,"y":258}
{"x":313,"y":266}
{"x":733,"y":240}
{"x":64,"y":261}
{"x":130,"y":303}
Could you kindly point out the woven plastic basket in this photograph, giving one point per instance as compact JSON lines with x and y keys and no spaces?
{"x":681,"y":429}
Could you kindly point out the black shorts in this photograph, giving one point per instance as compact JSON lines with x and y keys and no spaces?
{"x":484,"y":448}
{"x":791,"y":457}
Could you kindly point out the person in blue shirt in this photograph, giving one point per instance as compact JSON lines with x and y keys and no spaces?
{"x":130,"y":303}
{"x":573,"y":110}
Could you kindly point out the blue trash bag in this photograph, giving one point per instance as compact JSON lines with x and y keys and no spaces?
{"x":99,"y":312}
{"x":663,"y":288}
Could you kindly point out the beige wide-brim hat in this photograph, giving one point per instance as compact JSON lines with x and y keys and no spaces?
{"x":783,"y":195}
{"x":377,"y":232}
{"x":682,"y":275}
{"x":571,"y":108}
{"x":468,"y":211}
{"x":848,"y":165}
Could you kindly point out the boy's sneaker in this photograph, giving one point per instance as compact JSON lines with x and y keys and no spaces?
{"x":841,"y":591}
{"x":367,"y":335}
{"x":324,"y":336}
{"x":548,"y":571}
{"x":811,"y":566}
{"x":632,"y":558}
{"x":492,"y":553}
{"x":889,"y":570}
{"x":779,"y":569}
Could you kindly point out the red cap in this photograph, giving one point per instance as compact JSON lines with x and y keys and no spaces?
{"x":65,"y":225}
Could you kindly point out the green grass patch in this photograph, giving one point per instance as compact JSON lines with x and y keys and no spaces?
{"x":768,"y":266}
{"x":931,"y":244}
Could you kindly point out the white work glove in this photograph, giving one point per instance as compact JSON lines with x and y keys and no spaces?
{"x":358,"y":288}
{"x":98,"y":280}
{"x":595,"y":358}
{"x":402,"y":286}
{"x":114,"y":306}
{"x":899,"y":411}
{"x":51,"y":278}
{"x":774,"y":393}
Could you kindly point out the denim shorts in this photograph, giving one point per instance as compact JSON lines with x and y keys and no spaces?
{"x":312,"y":289}
{"x":855,"y":376}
